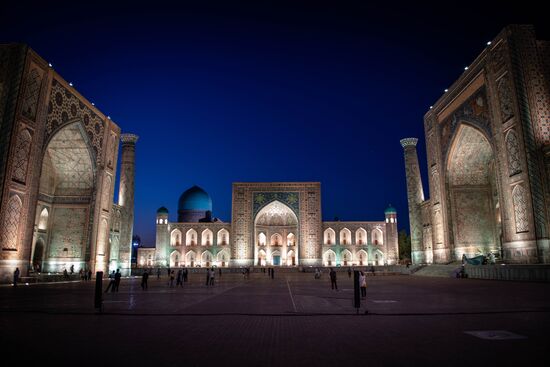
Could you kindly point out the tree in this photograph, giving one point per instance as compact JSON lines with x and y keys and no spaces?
{"x":404,"y":241}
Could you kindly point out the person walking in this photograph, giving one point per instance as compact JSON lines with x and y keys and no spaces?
{"x":111,"y":281}
{"x":90,"y":274}
{"x":72,"y":269}
{"x":363,"y":284}
{"x":144,"y":278}
{"x":333,"y":283}
{"x":16,"y":276}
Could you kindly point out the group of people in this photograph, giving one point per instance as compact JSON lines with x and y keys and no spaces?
{"x":114,"y":281}
{"x":334,"y":284}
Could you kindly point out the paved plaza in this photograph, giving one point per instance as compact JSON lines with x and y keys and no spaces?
{"x":293,"y":319}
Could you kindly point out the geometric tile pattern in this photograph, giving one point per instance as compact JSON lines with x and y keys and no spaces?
{"x":512,"y":146}
{"x":475,"y":111}
{"x":32,"y":91}
{"x":469,"y":163}
{"x":505,"y":98}
{"x":65,"y":107}
{"x":520,"y":209}
{"x":10,"y":224}
{"x":21,"y":157}
{"x":71,"y":162}
{"x":68,"y":232}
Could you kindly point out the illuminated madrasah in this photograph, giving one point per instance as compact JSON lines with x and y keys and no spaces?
{"x":488,"y":151}
{"x":272,"y":223}
{"x":58,"y":158}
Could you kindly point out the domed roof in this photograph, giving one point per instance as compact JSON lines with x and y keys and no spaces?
{"x":162,"y":210}
{"x":390,"y":210}
{"x":195,"y":198}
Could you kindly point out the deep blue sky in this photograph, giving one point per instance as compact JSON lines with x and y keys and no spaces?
{"x":299,"y":91}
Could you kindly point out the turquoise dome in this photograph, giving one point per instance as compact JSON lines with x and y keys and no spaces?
{"x":195,"y":198}
{"x":390,"y":210}
{"x":162,"y":210}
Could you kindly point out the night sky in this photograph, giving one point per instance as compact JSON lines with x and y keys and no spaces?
{"x":298,"y":91}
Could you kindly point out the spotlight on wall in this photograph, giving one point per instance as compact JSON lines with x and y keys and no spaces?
{"x":71,"y":84}
{"x":465,"y":68}
{"x":446,"y":90}
{"x":93,"y":104}
{"x":50,"y":65}
{"x":431,"y":107}
{"x":109,"y":117}
{"x":489,"y":43}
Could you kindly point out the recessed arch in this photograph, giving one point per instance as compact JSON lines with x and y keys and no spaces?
{"x":361,"y":257}
{"x":191,"y":237}
{"x":345,"y":236}
{"x":472,"y":193}
{"x":329,"y":236}
{"x":206,"y":259}
{"x":377,"y":236}
{"x":262,"y":239}
{"x":276,"y":240}
{"x":361,"y":236}
{"x":223,"y":237}
{"x":175,"y":237}
{"x":207,"y":237}
{"x":175,"y":259}
{"x":329,"y":258}
{"x":43,"y":220}
{"x":346,"y":257}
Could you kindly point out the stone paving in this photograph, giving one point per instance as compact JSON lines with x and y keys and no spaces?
{"x":290,"y":320}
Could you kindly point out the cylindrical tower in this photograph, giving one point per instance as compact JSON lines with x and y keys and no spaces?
{"x":126,"y":200}
{"x":415,"y":194}
{"x":392,"y":243}
{"x":163,"y":238}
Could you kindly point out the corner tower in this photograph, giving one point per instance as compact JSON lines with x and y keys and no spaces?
{"x":392,"y":244}
{"x":126,"y":200}
{"x":415,"y":194}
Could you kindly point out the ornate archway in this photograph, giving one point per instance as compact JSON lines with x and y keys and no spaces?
{"x":67,"y":183}
{"x":276,"y":221}
{"x":472,"y":193}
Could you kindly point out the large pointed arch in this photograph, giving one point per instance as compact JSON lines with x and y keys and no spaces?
{"x":472,"y":193}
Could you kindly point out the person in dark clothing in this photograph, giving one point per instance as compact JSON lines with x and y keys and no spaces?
{"x":158,"y":273}
{"x":16,"y":276}
{"x":333,"y":279}
{"x":111,"y":282}
{"x":349,"y":272}
{"x":220,"y":272}
{"x":118,"y":275}
{"x":72,"y":269}
{"x":90,"y":274}
{"x":272,"y":273}
{"x":185,"y":275}
{"x":144,"y":278}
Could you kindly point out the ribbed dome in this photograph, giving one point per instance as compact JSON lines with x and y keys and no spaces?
{"x":195,"y":198}
{"x":390,"y":210}
{"x":162,"y":210}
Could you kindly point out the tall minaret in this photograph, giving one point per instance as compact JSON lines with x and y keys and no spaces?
{"x":415,"y":194}
{"x":126,"y":201}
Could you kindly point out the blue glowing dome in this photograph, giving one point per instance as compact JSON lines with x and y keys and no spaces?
{"x":195,"y":198}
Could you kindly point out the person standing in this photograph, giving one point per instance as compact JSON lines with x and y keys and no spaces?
{"x":272,"y":273}
{"x":333,"y":283}
{"x":349,"y":272}
{"x":72,"y":269}
{"x":171,"y":279}
{"x":16,"y":276}
{"x":144,"y":278}
{"x":363,"y":284}
{"x":207,"y":277}
{"x":185,"y":275}
{"x":90,"y":274}
{"x":158,"y":273}
{"x":118,"y":275}
{"x":212,"y":274}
